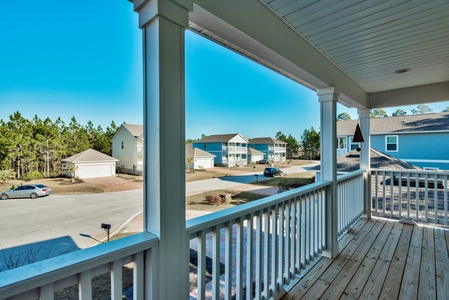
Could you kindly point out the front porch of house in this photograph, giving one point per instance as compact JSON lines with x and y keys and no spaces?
{"x":319,"y":239}
{"x":381,"y":259}
{"x":275,"y":248}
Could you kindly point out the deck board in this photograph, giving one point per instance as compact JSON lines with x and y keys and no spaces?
{"x":316,"y":291}
{"x":409,"y":286}
{"x":392,"y":284}
{"x":348,"y":271}
{"x":441,"y":265}
{"x":426,"y":288}
{"x":382,"y":258}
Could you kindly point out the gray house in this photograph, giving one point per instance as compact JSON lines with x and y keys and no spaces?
{"x":422,"y":140}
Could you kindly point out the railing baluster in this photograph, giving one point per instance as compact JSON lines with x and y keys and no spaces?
{"x":138,"y":276}
{"x":239,"y":259}
{"x":201,"y":267}
{"x":85,"y":285}
{"x":409,"y":204}
{"x":426,"y":197}
{"x":47,"y":292}
{"x":116,"y":279}
{"x":435,"y":198}
{"x":275,"y":282}
{"x":259,"y":243}
{"x":445,"y":200}
{"x":399,"y":174}
{"x":249,"y":256}
{"x":417,"y":196}
{"x":376,"y":188}
{"x":266,"y":254}
{"x":287,"y":244}
{"x":216,"y":261}
{"x":228,"y":260}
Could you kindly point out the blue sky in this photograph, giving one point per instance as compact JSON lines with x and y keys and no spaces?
{"x":84,"y":59}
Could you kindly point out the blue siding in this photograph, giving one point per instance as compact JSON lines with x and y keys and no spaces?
{"x":424,"y":146}
{"x":262,"y":148}
{"x":213,"y":148}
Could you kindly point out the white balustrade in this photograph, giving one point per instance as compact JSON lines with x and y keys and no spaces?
{"x":259,"y":248}
{"x":420,"y":196}
{"x":42,"y":279}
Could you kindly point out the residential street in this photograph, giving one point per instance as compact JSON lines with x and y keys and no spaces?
{"x":60,"y":223}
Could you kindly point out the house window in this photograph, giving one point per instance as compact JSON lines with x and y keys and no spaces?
{"x":123,"y":145}
{"x":204,"y":146}
{"x":341,"y":143}
{"x":391,"y":143}
{"x":354,"y":145}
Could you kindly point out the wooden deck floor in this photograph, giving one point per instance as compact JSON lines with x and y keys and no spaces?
{"x":382,"y":259}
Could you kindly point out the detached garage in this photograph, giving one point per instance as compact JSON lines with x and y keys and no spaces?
{"x":89,"y":164}
{"x":198,"y":159}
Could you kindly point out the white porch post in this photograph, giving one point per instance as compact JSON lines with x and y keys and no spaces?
{"x":163,"y":23}
{"x":365,"y":157}
{"x":328,"y":112}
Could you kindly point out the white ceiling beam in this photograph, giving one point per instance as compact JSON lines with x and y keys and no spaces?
{"x":429,"y":93}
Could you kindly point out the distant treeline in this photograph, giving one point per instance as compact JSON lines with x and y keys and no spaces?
{"x":38,"y":146}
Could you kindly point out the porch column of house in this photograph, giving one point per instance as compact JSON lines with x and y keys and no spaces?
{"x":163,"y":23}
{"x":365,"y":158}
{"x":328,"y":98}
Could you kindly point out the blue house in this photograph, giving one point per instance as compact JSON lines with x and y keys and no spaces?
{"x":422,"y":140}
{"x":273,"y":149}
{"x":229,"y":149}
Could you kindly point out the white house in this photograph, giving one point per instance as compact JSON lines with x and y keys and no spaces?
{"x":89,"y":164}
{"x":127,"y":147}
{"x":200,"y":159}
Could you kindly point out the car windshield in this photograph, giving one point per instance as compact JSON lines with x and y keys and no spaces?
{"x":40,"y":186}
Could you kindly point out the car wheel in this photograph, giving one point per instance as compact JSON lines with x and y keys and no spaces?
{"x":5,"y":197}
{"x":33,"y":196}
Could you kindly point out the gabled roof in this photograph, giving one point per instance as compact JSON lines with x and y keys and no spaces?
{"x":217,"y":138}
{"x":265,"y":140}
{"x":350,"y":162}
{"x":411,"y":123}
{"x":195,"y":152}
{"x":89,"y":155}
{"x":135,"y":130}
{"x":252,"y":151}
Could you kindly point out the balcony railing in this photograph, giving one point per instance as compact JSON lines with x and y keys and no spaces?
{"x":350,"y":200}
{"x":418,"y":196}
{"x":259,"y":247}
{"x":42,"y":279}
{"x":255,"y":250}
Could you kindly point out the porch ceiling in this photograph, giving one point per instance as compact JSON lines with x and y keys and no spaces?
{"x":360,"y":47}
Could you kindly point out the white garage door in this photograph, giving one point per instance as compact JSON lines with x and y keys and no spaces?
{"x":95,"y":170}
{"x":204,"y":163}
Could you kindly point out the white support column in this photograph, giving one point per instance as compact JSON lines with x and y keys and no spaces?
{"x":328,"y":99}
{"x":163,"y":23}
{"x":365,"y":157}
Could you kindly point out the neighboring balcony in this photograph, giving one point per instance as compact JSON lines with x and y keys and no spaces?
{"x":274,"y":247}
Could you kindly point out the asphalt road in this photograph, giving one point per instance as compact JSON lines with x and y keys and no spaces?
{"x":64,"y":223}
{"x":25,"y":221}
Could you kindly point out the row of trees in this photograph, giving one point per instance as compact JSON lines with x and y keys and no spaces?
{"x":310,"y":144}
{"x":380,"y":113}
{"x":38,"y":145}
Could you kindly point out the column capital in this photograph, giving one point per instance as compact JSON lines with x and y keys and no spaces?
{"x":149,"y":10}
{"x":327,"y":94}
{"x":364,"y":112}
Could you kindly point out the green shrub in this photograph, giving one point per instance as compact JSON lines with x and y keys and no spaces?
{"x":33,"y":175}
